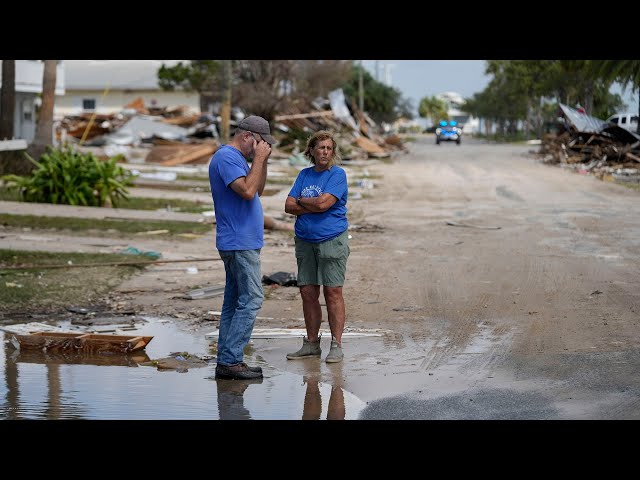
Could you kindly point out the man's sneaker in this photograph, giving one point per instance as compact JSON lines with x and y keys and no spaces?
{"x":240,"y":371}
{"x":335,"y":353}
{"x":308,"y":350}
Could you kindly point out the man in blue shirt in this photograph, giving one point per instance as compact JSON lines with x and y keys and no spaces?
{"x":235,"y":188}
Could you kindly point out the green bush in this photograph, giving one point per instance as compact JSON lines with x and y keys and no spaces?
{"x":66,"y":176}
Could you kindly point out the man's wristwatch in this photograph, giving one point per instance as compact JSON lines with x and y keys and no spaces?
{"x":298,"y":200}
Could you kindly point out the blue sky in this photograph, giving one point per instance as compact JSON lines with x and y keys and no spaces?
{"x":420,"y":78}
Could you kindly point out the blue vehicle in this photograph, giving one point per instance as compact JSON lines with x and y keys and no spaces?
{"x":448,"y":131}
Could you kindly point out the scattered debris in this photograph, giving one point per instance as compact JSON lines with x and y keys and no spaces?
{"x":297,"y":332}
{"x":286,"y":279}
{"x":134,"y":251}
{"x":76,"y":341}
{"x":485,"y":227}
{"x":408,"y":308}
{"x":207,"y":292}
{"x":592,"y":146}
{"x":93,"y":320}
{"x":366,"y":227}
{"x":178,"y":361}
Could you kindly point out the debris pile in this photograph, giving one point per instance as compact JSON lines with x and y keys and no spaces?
{"x":592,"y":146}
{"x":171,"y":136}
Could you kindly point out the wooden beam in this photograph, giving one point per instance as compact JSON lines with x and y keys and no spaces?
{"x":325,"y":113}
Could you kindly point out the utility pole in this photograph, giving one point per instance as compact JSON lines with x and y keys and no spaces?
{"x":361,"y":88}
{"x":225,"y":110}
{"x":387,"y":73}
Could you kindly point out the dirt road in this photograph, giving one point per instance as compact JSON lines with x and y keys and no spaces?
{"x":525,"y":305}
{"x":537,"y":319}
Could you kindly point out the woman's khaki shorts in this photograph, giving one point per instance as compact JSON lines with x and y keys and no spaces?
{"x":323,"y":263}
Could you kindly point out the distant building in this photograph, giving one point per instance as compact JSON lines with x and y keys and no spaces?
{"x":466,"y":121}
{"x":28,"y":95}
{"x":106,"y":86}
{"x":404,"y":125}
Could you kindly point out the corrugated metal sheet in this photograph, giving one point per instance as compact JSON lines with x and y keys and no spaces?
{"x":581,"y":121}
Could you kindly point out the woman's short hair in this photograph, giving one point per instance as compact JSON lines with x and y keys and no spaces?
{"x":313,"y":141}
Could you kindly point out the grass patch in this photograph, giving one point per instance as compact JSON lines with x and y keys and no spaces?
{"x":111,"y":226}
{"x":281,"y":180}
{"x":204,"y":187}
{"x":171,"y":204}
{"x":386,"y":160}
{"x":7,"y":195}
{"x":52,"y":289}
{"x":134,"y":203}
{"x":193,"y":178}
{"x":632,"y":186}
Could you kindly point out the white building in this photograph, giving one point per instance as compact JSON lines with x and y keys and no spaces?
{"x":28,"y":95}
{"x":454,"y":102}
{"x":106,"y":86}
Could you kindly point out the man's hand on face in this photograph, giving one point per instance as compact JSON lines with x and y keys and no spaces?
{"x":262,"y":150}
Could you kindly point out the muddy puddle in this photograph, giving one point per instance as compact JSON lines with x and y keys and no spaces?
{"x":38,"y":385}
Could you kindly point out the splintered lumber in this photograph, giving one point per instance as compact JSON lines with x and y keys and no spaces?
{"x":633,"y":157}
{"x":137,"y":105}
{"x":182,"y":121}
{"x":86,"y":342}
{"x":324,"y":113}
{"x":170,"y":155}
{"x":369,"y":146}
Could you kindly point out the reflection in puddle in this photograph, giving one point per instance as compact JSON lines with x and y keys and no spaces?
{"x":77,"y":358}
{"x":285,"y":396}
{"x":41,"y":385}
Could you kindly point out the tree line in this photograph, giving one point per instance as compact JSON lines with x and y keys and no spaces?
{"x":520,"y":92}
{"x":527,"y":92}
{"x":269,"y":87}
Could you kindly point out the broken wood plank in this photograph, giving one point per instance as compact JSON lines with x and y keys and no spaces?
{"x":325,"y":113}
{"x":369,"y":146}
{"x":633,"y":157}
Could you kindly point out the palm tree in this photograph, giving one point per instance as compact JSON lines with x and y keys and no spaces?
{"x":625,"y":72}
{"x":433,"y":108}
{"x":44,"y":126}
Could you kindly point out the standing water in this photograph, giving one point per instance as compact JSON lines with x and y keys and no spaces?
{"x":39,"y":385}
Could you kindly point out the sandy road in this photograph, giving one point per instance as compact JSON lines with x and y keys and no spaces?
{"x":537,"y":319}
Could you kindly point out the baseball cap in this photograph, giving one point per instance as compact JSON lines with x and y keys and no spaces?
{"x":256,"y":124}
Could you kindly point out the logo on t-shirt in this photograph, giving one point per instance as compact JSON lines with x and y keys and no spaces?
{"x":311,"y":191}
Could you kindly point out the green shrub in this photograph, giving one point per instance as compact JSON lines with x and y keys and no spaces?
{"x":66,"y":176}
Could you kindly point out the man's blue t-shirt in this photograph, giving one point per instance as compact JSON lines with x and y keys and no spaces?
{"x":239,"y":222}
{"x":319,"y":227}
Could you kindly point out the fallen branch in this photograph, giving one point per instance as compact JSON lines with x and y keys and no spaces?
{"x":107,"y":264}
{"x":485,"y":227}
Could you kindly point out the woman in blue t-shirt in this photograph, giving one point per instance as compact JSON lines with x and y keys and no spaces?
{"x":318,"y":199}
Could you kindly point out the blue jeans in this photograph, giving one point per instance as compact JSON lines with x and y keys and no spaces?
{"x":243,"y":296}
